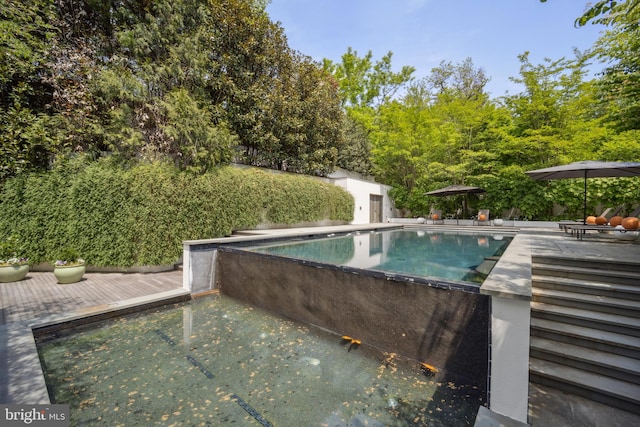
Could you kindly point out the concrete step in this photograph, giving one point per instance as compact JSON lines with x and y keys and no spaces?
{"x":590,"y":360}
{"x":596,"y":320}
{"x":628,"y":292}
{"x":610,"y":391}
{"x":599,"y":303}
{"x":602,"y":263}
{"x":611,"y":342}
{"x":599,"y":275}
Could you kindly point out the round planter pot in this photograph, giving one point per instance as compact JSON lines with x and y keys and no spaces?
{"x":70,"y":274}
{"x":13,"y":273}
{"x":498,"y":221}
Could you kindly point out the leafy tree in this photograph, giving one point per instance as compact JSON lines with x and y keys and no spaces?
{"x":185,"y":80}
{"x":436,"y":135}
{"x":364,"y":83}
{"x":458,"y":80}
{"x":605,"y":11}
{"x":619,"y":47}
{"x":25,"y":131}
{"x":543,"y":112}
{"x":302,"y":130}
{"x":356,"y":151}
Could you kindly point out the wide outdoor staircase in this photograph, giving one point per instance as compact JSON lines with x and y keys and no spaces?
{"x":585,"y":328}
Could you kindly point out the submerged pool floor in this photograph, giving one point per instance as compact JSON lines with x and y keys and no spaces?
{"x":215,"y":361}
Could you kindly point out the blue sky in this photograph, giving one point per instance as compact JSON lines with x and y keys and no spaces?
{"x":422,"y":33}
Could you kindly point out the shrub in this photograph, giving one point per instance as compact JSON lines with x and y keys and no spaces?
{"x":123,"y":215}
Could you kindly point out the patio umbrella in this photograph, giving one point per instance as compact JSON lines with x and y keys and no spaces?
{"x":453,"y":190}
{"x":587,"y":169}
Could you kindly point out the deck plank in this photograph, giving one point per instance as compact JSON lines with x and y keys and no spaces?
{"x":40,"y":295}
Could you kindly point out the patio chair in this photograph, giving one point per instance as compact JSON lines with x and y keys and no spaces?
{"x":611,"y":214}
{"x":605,"y":212}
{"x":512,"y":215}
{"x":436,"y":216}
{"x":482,"y":218}
{"x":455,"y":215}
{"x":636,"y":212}
{"x":580,"y":230}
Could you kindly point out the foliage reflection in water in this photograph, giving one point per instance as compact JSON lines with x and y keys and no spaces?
{"x":459,"y":256}
{"x":215,"y":361}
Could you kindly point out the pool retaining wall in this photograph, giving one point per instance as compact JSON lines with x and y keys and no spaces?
{"x":446,"y":328}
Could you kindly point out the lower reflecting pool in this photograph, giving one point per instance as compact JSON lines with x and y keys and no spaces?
{"x":215,"y":361}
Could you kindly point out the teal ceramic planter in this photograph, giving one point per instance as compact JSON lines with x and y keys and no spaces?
{"x":70,"y":274}
{"x":13,"y":273}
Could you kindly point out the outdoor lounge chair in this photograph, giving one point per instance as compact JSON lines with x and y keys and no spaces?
{"x":608,"y":213}
{"x":636,"y":212}
{"x":455,"y":215}
{"x":436,"y":216}
{"x":482,"y":218}
{"x":613,"y":213}
{"x":513,"y":214}
{"x":581,"y":229}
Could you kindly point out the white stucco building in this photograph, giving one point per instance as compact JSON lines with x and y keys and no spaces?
{"x":372,"y":201}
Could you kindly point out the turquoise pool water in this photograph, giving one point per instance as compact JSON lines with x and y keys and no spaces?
{"x":458,"y":256}
{"x":215,"y":361}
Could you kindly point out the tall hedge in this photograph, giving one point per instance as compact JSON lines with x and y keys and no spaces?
{"x":119,"y":215}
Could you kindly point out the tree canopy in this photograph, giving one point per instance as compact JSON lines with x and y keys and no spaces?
{"x":199,"y":82}
{"x":445,"y":129}
{"x":204,"y":82}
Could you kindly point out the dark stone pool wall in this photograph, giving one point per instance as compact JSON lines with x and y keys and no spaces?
{"x":446,"y":328}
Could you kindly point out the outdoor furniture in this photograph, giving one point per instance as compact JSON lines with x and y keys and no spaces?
{"x":482,"y":218}
{"x":455,"y":216}
{"x":636,"y":212}
{"x":512,"y":215}
{"x":571,"y":226}
{"x":453,"y":190}
{"x":606,"y":212}
{"x":566,"y":223}
{"x":587,"y":169}
{"x":610,"y":214}
{"x":436,"y":216}
{"x":579,"y":229}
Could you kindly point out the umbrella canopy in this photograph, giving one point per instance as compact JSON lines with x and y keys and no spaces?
{"x":587,"y":169}
{"x":455,"y":189}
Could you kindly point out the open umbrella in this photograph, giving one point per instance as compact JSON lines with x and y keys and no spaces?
{"x":587,"y":169}
{"x":452,"y":190}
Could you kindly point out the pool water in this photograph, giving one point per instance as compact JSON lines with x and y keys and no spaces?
{"x":458,"y":256}
{"x":215,"y":361}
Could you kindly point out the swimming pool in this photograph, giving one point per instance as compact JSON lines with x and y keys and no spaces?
{"x":444,"y":255}
{"x":201,"y":363}
{"x":217,"y":361}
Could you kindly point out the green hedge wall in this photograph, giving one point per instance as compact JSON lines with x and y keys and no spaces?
{"x":119,"y":215}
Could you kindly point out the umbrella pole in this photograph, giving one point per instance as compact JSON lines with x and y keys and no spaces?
{"x":584,"y":207}
{"x":464,"y":206}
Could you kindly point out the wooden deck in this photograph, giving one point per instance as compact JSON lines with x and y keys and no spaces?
{"x":39,"y":294}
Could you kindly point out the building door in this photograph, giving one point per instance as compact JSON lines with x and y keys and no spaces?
{"x":375,"y":208}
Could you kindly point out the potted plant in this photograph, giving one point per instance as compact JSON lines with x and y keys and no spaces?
{"x":69,"y":267}
{"x":13,"y":267}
